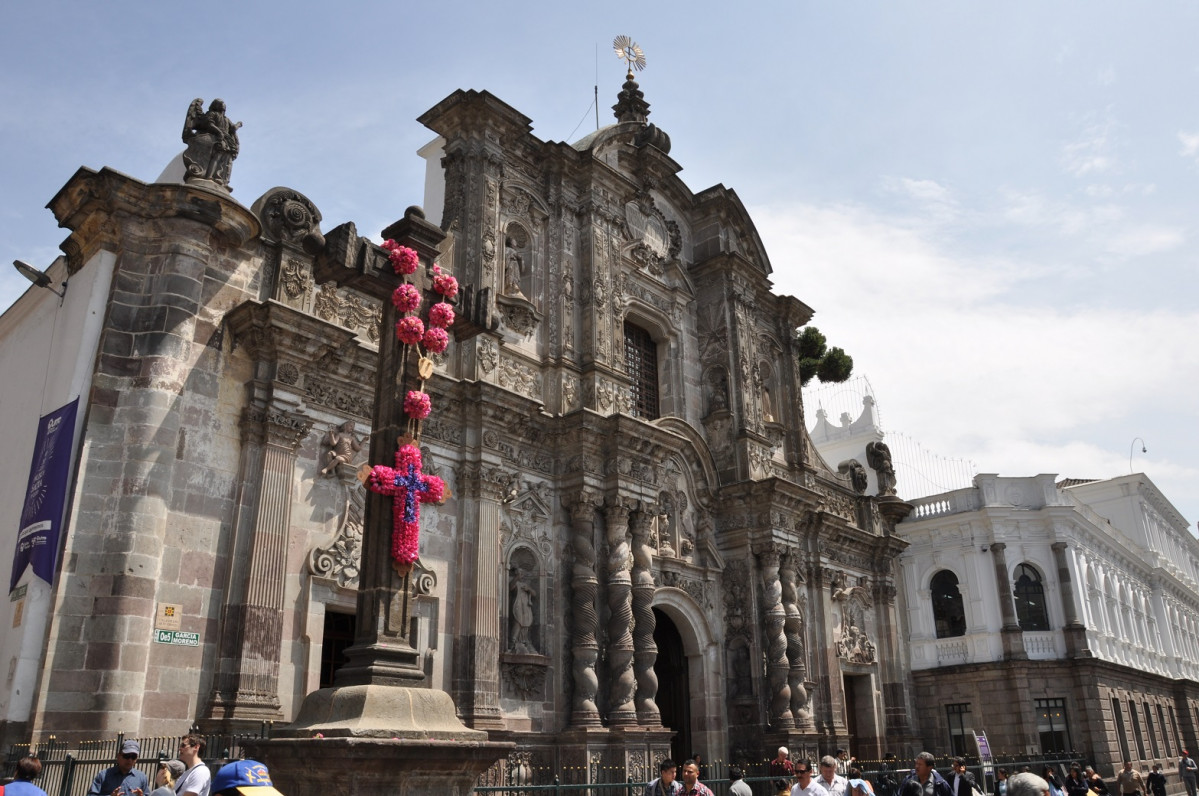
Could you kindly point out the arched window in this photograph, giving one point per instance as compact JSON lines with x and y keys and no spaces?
{"x":948,"y":611}
{"x":641,"y":362}
{"x":1030,"y":599}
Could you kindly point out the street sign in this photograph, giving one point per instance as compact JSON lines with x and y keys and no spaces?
{"x":179,"y":638}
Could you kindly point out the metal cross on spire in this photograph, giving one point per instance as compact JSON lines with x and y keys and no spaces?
{"x":630,"y":52}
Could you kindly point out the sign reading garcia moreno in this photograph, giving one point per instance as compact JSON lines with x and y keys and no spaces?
{"x":41,"y":518}
{"x":179,"y":638}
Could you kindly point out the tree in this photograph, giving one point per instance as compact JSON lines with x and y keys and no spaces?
{"x":830,"y":365}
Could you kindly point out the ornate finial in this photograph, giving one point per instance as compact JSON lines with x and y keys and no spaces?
{"x":630,"y":102}
{"x":630,"y":52}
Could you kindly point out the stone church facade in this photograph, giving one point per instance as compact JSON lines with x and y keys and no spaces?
{"x":642,"y":554}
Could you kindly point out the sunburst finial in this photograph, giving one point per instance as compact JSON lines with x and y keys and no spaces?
{"x":630,"y":52}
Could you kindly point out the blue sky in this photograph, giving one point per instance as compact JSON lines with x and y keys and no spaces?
{"x":991,"y":206}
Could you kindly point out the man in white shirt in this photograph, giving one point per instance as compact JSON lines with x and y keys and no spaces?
{"x":832,"y":782}
{"x":806,"y":785}
{"x":197,"y":779}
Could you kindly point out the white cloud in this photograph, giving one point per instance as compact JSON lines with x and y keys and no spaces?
{"x":1091,"y":153}
{"x":967,"y":364}
{"x":1190,"y":144}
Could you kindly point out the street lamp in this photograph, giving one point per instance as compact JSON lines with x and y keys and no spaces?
{"x":39,"y":278}
{"x":1131,"y":446}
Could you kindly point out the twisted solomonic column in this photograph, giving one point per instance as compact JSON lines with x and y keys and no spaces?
{"x":584,"y":585}
{"x":645,"y":651}
{"x":777,"y":665}
{"x":797,"y":669}
{"x":620,"y":619}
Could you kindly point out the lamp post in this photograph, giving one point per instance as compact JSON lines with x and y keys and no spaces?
{"x":1132,"y":447}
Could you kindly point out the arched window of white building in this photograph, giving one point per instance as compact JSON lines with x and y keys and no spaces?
{"x":1029,"y":593}
{"x":949,"y":612}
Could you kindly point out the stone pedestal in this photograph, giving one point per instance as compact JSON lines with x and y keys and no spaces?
{"x":378,"y":766}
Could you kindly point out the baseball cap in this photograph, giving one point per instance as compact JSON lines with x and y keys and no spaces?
{"x":176,"y":768}
{"x":131,"y":748}
{"x":248,"y":777}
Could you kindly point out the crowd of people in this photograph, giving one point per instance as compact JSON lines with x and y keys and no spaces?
{"x":188,"y":775}
{"x":839,"y":775}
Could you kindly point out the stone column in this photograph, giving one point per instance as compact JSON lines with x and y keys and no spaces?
{"x":777,"y":665}
{"x":621,"y":711}
{"x":584,"y":585}
{"x":1012,"y":635}
{"x":247,"y":682}
{"x":645,"y":651}
{"x":797,"y":670}
{"x":477,"y":672}
{"x":1074,"y":630}
{"x":895,"y":703}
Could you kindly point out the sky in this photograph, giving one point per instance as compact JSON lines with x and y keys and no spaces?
{"x":992,"y":207}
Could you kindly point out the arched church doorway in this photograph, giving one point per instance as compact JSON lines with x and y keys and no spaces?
{"x":674,"y":692}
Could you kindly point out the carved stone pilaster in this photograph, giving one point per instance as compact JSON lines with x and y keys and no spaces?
{"x":777,"y":665}
{"x":247,"y":681}
{"x":584,"y":586}
{"x":797,"y":670}
{"x":620,"y":618}
{"x":645,"y":651}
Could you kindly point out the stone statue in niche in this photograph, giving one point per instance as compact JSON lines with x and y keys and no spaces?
{"x":343,"y":447}
{"x":857,"y":474}
{"x":767,"y":406}
{"x":878,"y":456}
{"x":686,"y":530}
{"x":523,"y":615}
{"x":718,"y":391}
{"x":212,"y":143}
{"x":664,"y":526}
{"x":514,"y":266}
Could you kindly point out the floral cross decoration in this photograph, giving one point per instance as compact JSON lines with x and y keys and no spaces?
{"x":408,"y":486}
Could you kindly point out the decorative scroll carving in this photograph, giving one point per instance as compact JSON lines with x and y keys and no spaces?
{"x":348,"y":309}
{"x":526,"y":681}
{"x":290,"y":217}
{"x":520,"y":378}
{"x":518,"y":313}
{"x":340,"y":560}
{"x":487,"y":354}
{"x":320,"y":392}
{"x":294,"y":277}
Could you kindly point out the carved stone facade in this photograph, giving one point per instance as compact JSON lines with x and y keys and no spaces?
{"x":632,"y":492}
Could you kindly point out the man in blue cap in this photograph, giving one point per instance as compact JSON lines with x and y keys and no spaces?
{"x":123,"y":779}
{"x":243,"y":778}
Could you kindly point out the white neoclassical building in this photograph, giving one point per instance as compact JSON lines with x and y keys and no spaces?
{"x":1054,"y":615}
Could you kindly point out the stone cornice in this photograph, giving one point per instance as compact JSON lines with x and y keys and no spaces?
{"x":93,"y":205}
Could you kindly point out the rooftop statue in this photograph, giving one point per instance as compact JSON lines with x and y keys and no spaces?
{"x":211,"y":142}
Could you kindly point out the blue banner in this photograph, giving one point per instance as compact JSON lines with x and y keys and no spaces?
{"x":45,"y":497}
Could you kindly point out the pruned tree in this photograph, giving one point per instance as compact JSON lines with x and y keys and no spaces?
{"x":830,"y":365}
